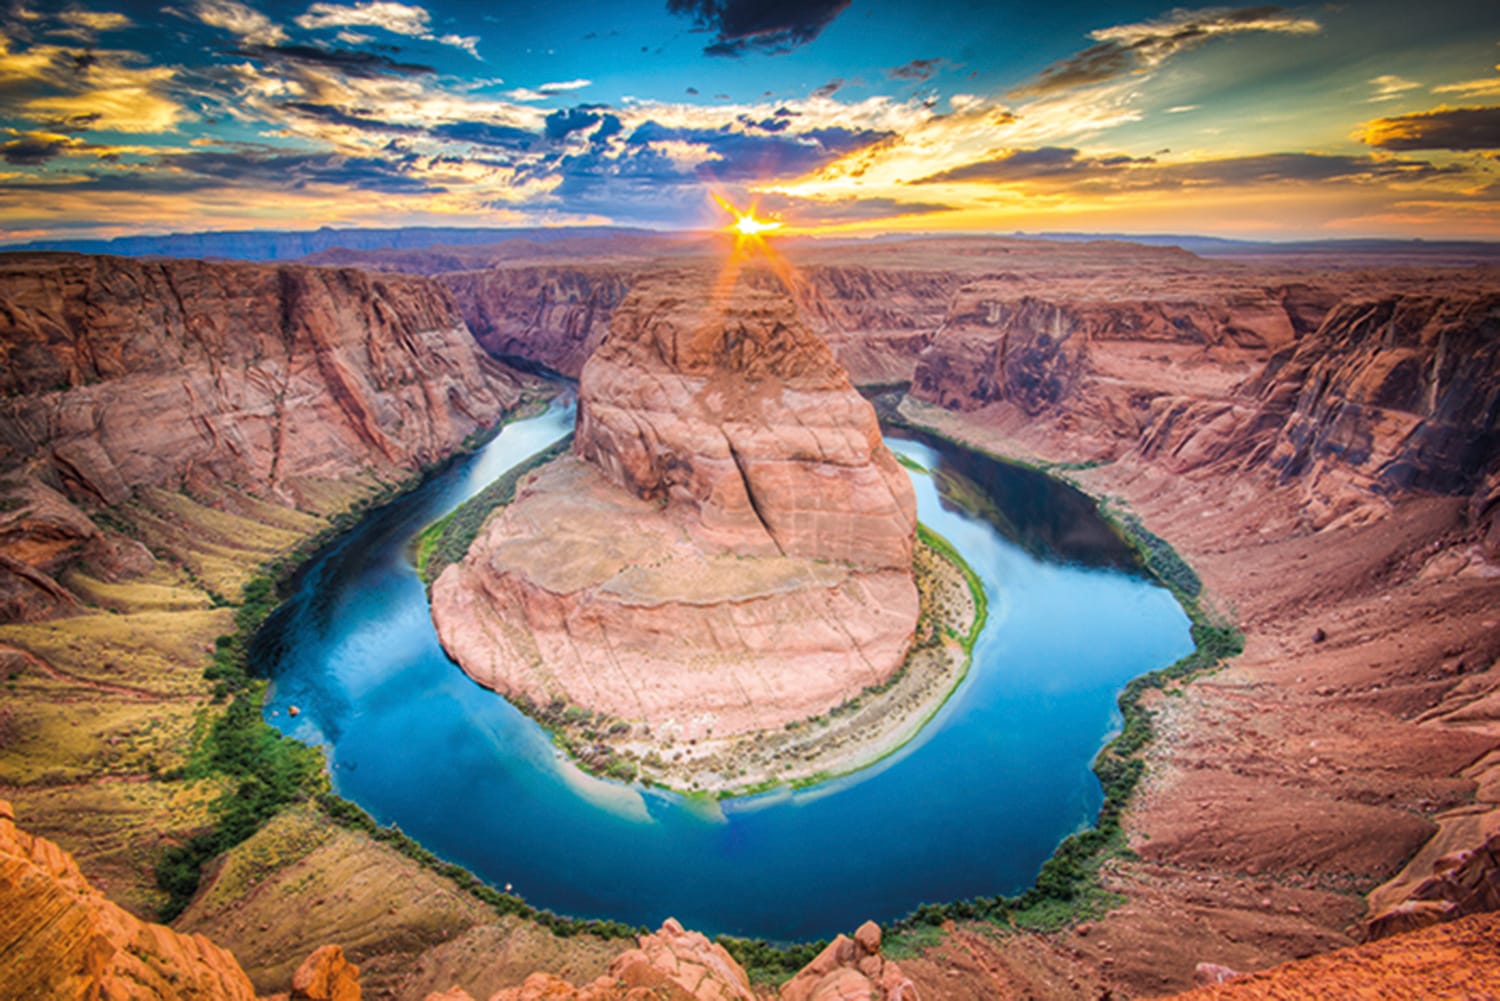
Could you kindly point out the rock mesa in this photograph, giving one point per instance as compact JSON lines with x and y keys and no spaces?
{"x":727,"y":549}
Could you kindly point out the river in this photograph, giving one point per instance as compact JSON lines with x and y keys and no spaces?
{"x":972,"y":806}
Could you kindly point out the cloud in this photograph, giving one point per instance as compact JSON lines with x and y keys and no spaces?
{"x":1444,"y":128}
{"x":485,"y":134}
{"x":771,"y":27}
{"x":1060,"y":166}
{"x":33,"y":150}
{"x":727,"y":155}
{"x":1030,"y":165}
{"x":1137,"y":48}
{"x":812,"y":212}
{"x":561,"y":124}
{"x":86,"y":25}
{"x":397,"y":18}
{"x":547,"y":90}
{"x":1388,"y":87}
{"x":830,"y":88}
{"x":248,"y":24}
{"x":1485,"y":87}
{"x":919,"y":70}
{"x":298,"y":170}
{"x":62,"y":88}
{"x":351,"y":62}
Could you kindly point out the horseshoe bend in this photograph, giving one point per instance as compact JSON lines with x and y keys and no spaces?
{"x":727,"y":549}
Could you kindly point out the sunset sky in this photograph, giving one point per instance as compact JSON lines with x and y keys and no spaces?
{"x":1370,"y":118}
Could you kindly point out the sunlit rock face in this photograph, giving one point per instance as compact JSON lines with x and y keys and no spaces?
{"x":729,"y":547}
{"x":729,"y":405}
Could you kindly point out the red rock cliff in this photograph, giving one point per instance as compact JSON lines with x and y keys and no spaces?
{"x":729,"y":550}
{"x":119,"y":374}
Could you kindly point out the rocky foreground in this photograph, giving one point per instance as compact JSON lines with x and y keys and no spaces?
{"x":729,"y":548}
{"x":63,"y":939}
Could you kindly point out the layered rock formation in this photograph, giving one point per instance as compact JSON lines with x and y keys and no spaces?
{"x":1336,"y":491}
{"x":730,"y":547}
{"x":549,"y":316}
{"x":62,"y":939}
{"x":121,"y":374}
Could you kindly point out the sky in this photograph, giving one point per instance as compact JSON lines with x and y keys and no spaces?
{"x":1368,"y":118}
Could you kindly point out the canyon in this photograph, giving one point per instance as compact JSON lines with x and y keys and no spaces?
{"x":1318,"y":442}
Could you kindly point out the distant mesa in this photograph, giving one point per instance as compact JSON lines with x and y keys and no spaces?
{"x":727,"y":549}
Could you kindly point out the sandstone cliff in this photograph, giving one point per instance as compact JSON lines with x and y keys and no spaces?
{"x":120,"y":374}
{"x":552,"y":316}
{"x":63,"y":939}
{"x":731,"y":547}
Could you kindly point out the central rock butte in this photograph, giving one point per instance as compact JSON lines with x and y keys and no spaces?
{"x":727,"y":549}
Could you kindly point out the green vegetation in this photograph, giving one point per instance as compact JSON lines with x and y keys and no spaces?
{"x":261,"y":770}
{"x":446,"y":540}
{"x":265,"y":771}
{"x":1157,"y":554}
{"x":766,"y":962}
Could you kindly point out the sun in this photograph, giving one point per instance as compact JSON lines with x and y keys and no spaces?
{"x":749,"y":229}
{"x":748,"y":225}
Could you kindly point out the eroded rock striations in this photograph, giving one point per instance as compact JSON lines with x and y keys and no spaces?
{"x":728,"y":549}
{"x":63,"y":939}
{"x":118,"y":375}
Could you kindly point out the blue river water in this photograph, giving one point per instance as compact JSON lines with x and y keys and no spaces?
{"x":972,"y":806}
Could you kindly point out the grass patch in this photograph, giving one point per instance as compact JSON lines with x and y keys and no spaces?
{"x":448,"y":539}
{"x":767,"y":962}
{"x":911,"y":943}
{"x":351,"y":817}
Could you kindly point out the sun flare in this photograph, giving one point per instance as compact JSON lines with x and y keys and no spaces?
{"x":748,"y":225}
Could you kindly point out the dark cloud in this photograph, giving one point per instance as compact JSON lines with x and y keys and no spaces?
{"x":1058,"y":164}
{"x":298,"y":170}
{"x":830,"y":88}
{"x":609,"y":125}
{"x":1273,"y":167}
{"x":779,"y":121}
{"x":485,"y":134}
{"x":31,"y":151}
{"x":1446,"y":128}
{"x":768,"y":26}
{"x":734,"y":156}
{"x":1093,"y":65}
{"x":338,"y":116}
{"x":918,"y":70}
{"x":807,"y":211}
{"x":561,"y":124}
{"x":1129,"y":48}
{"x":350,"y":62}
{"x":1029,"y":165}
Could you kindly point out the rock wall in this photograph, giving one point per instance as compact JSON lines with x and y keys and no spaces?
{"x":118,"y":374}
{"x":747,"y":417}
{"x":876,"y":320}
{"x":1381,"y":397}
{"x":552,"y":316}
